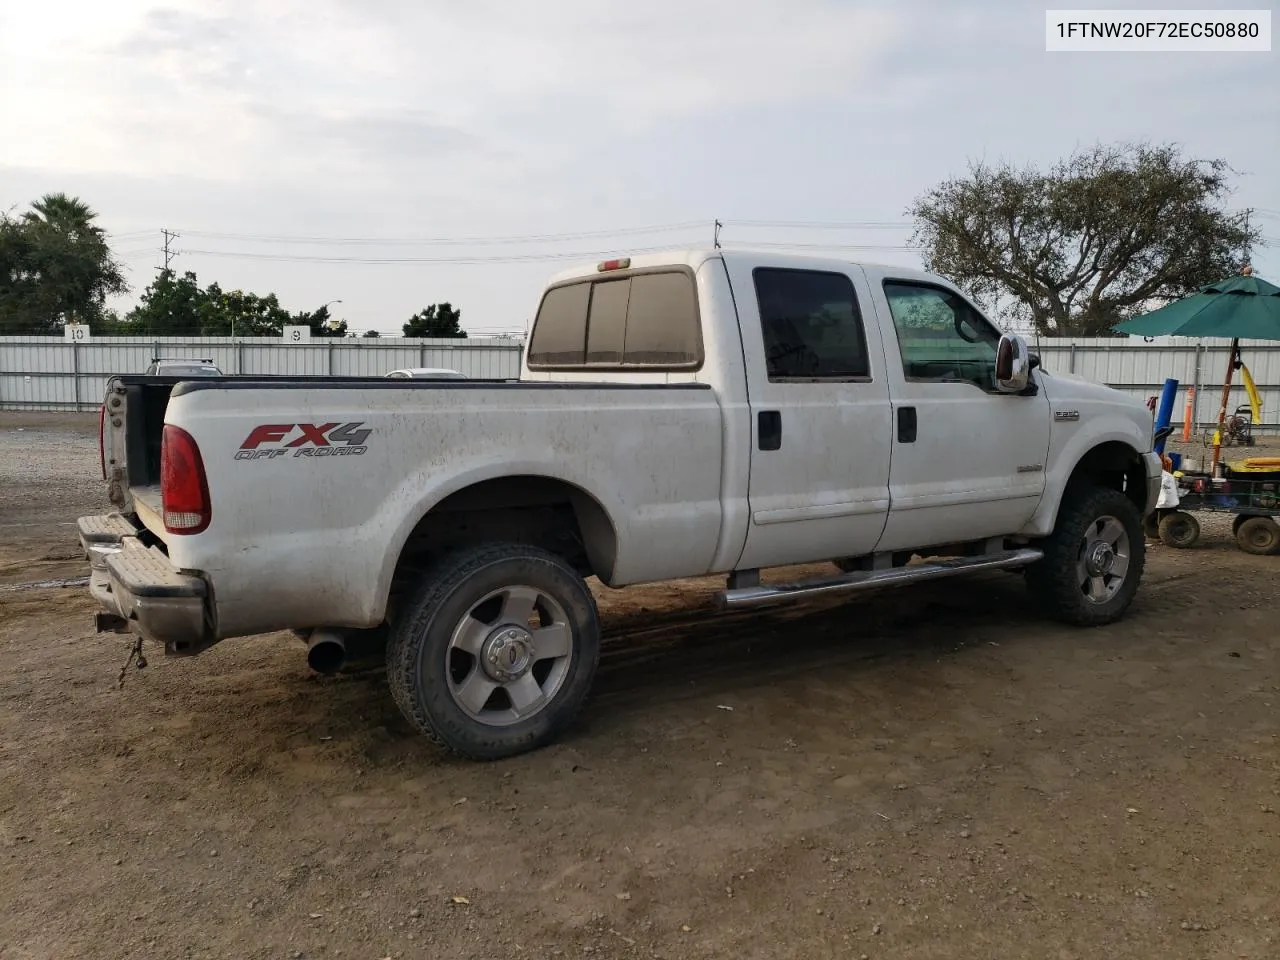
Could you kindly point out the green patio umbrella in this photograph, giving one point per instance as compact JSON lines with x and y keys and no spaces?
{"x":1238,"y":308}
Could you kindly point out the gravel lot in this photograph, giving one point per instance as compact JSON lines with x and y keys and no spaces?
{"x":49,"y":476}
{"x":49,"y":472}
{"x":928,"y":774}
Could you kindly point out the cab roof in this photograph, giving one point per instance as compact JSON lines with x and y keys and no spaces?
{"x":695,"y":257}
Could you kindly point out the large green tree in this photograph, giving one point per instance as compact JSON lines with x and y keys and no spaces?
{"x":1109,"y":232}
{"x":437,"y":320}
{"x":175,"y":305}
{"x":56,"y":267}
{"x":171,"y":306}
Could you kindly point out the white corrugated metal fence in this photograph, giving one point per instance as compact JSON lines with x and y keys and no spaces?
{"x":1141,"y":369}
{"x":51,"y":373}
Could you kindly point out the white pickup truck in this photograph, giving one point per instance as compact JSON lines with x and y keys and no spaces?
{"x":698,"y":412}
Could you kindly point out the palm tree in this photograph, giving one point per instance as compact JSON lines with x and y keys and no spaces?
{"x":70,"y":216}
{"x":63,"y":269}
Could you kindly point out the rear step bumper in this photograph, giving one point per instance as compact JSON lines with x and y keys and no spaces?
{"x":138,"y":584}
{"x":763,"y":594}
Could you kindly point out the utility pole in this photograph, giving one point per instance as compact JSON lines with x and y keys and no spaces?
{"x":169,"y":252}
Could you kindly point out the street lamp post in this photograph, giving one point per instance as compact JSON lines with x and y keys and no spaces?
{"x":330,"y":323}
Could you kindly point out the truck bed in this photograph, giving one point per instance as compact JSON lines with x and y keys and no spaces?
{"x":147,"y":399}
{"x":325,"y":523}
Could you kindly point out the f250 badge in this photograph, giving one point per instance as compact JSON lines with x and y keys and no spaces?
{"x":272,"y":440}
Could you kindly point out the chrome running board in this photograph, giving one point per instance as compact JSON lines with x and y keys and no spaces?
{"x":762,"y":594}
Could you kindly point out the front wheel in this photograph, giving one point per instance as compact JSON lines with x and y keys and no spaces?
{"x":496,"y":650}
{"x":1093,"y":560}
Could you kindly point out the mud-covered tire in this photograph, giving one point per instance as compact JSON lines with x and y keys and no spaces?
{"x":422,"y":648}
{"x":1259,"y":536}
{"x":1063,"y":581}
{"x":1179,"y":529}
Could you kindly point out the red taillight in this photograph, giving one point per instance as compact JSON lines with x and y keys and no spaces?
{"x":183,"y":487}
{"x":621,"y":264}
{"x":102,"y":450}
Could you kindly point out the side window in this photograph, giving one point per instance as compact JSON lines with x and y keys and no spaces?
{"x":941,"y":336}
{"x":643,"y":320}
{"x":811,"y":325}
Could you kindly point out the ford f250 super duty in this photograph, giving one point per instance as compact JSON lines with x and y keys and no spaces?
{"x":678,"y":415}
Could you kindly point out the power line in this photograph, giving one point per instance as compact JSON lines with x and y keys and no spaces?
{"x":687,"y":225}
{"x":497,"y":258}
{"x":542,"y":238}
{"x":894,"y":247}
{"x":448,"y":241}
{"x":819,"y":224}
{"x":526,"y":257}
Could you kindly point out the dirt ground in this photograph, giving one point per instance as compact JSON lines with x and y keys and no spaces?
{"x":935,"y":773}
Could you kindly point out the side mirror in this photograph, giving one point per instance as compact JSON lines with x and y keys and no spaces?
{"x":1013,"y":364}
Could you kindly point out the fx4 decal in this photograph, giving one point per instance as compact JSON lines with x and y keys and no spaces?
{"x":272,"y":440}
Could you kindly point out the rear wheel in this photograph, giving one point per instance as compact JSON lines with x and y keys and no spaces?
{"x":496,"y":650}
{"x":1259,"y":536}
{"x":1093,"y":560}
{"x":1179,"y":530}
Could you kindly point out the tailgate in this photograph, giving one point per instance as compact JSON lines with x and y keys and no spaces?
{"x":133,"y":425}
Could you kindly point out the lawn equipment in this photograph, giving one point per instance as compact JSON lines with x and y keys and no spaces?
{"x":1248,"y":489}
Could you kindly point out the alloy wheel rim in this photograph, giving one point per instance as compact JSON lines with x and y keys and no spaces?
{"x":509,"y":655}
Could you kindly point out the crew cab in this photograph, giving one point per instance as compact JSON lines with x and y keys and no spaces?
{"x":677,"y":415}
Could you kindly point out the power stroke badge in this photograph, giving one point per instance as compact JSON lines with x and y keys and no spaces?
{"x":270,"y":441}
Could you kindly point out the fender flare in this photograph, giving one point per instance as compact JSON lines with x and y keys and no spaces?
{"x":493,"y":469}
{"x":1103,"y":430}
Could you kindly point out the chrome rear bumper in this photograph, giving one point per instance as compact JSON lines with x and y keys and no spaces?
{"x":139,"y":585}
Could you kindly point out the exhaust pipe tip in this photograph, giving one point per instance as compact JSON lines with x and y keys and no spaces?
{"x":326,"y":651}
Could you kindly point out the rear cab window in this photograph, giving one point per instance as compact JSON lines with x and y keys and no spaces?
{"x":643,"y":320}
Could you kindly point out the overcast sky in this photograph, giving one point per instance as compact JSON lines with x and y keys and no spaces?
{"x":247,"y":125}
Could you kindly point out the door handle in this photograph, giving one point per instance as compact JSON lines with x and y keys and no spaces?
{"x":906,"y":424}
{"x":769,"y":429}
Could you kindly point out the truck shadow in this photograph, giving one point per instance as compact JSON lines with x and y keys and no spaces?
{"x":699,"y":652}
{"x":661,"y":669}
{"x":652,"y":661}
